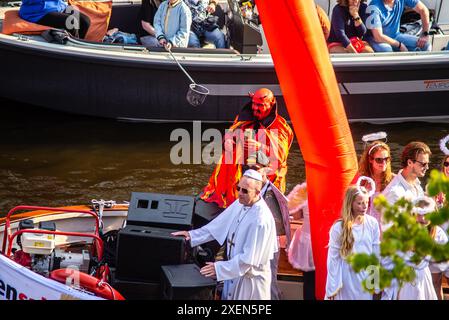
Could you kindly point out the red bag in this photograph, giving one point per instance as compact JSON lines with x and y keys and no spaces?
{"x":357,"y":43}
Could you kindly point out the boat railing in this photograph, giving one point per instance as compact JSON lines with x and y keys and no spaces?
{"x":98,"y":241}
{"x":6,"y":232}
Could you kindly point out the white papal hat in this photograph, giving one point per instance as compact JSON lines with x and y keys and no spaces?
{"x":253,"y":174}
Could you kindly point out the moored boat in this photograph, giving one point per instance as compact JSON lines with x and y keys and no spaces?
{"x":132,"y":83}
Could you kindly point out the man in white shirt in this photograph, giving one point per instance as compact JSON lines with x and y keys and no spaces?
{"x":406,"y":184}
{"x":248,"y":228}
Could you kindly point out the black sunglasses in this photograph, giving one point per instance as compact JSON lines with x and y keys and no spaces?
{"x":446,"y":164}
{"x":423,"y":164}
{"x":243,"y":190}
{"x":381,"y":160}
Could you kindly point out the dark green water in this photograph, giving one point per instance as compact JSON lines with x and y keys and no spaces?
{"x":53,"y":159}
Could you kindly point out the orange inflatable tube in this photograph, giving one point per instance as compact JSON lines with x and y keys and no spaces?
{"x":313,"y":100}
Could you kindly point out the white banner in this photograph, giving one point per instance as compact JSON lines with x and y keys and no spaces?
{"x":19,"y":283}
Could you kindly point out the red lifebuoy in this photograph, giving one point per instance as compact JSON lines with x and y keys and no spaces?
{"x":92,"y":284}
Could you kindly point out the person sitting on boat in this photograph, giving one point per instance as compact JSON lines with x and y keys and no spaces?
{"x":148,"y":10}
{"x":55,"y":14}
{"x":204,"y":24}
{"x":348,"y":28}
{"x":248,"y":228}
{"x":277,"y":203}
{"x":268,"y":132}
{"x":384,"y":22}
{"x":171,"y":24}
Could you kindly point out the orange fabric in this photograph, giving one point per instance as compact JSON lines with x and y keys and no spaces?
{"x":13,"y":23}
{"x":221,"y":188}
{"x":99,"y":14}
{"x":324,"y":21}
{"x":316,"y":110}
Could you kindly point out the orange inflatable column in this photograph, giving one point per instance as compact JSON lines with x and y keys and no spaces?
{"x":316,"y":110}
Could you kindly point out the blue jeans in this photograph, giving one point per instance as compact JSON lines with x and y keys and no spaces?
{"x":408,"y":40}
{"x":216,"y":37}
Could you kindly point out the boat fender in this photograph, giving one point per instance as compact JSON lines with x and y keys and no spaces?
{"x":99,"y":287}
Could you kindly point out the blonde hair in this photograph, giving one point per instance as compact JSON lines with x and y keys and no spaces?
{"x":365,"y":168}
{"x":347,"y":219}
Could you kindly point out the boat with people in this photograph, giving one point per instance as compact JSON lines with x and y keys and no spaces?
{"x":130,"y":82}
{"x":107,"y":250}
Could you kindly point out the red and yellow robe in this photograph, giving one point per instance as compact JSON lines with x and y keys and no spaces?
{"x":221,"y":188}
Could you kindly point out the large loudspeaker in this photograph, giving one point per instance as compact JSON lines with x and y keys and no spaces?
{"x":141,"y":251}
{"x":138,"y":290}
{"x":161,"y":210}
{"x":185,"y":282}
{"x":205,"y":212}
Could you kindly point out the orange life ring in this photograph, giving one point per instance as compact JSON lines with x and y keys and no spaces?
{"x":92,"y":284}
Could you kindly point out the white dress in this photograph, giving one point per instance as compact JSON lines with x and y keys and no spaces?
{"x":341,"y":280}
{"x":300,"y":253}
{"x":250,"y":233}
{"x":440,"y":238}
{"x":422,"y":287}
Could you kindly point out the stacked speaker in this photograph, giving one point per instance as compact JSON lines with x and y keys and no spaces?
{"x":151,"y":263}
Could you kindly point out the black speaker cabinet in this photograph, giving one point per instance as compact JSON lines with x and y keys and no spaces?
{"x":185,"y":282}
{"x":141,"y":251}
{"x":138,"y":290}
{"x":161,"y":210}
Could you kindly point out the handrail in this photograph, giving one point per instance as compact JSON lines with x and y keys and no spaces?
{"x":8,"y":225}
{"x":62,"y":233}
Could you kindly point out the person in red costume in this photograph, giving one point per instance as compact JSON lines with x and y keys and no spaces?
{"x":258,"y":126}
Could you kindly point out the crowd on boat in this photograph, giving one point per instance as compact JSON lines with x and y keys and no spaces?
{"x":355,"y":27}
{"x":253,"y":216}
{"x":358,"y":28}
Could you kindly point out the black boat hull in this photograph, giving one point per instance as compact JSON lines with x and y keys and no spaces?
{"x":137,"y":89}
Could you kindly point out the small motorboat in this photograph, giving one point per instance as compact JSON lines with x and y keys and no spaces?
{"x":99,"y":252}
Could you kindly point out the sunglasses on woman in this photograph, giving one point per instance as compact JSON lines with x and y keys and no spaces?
{"x":446,"y":164}
{"x":381,"y":160}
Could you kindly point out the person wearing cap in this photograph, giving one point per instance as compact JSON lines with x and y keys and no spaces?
{"x":268,"y":132}
{"x":248,"y":229}
{"x":406,"y":184}
{"x":278,"y":205}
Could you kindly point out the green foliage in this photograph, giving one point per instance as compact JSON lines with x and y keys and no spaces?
{"x":406,"y":242}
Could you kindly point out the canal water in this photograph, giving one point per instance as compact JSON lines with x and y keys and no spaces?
{"x":53,"y":159}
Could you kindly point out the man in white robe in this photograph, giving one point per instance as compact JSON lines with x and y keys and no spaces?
{"x":248,"y":228}
{"x":278,"y":205}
